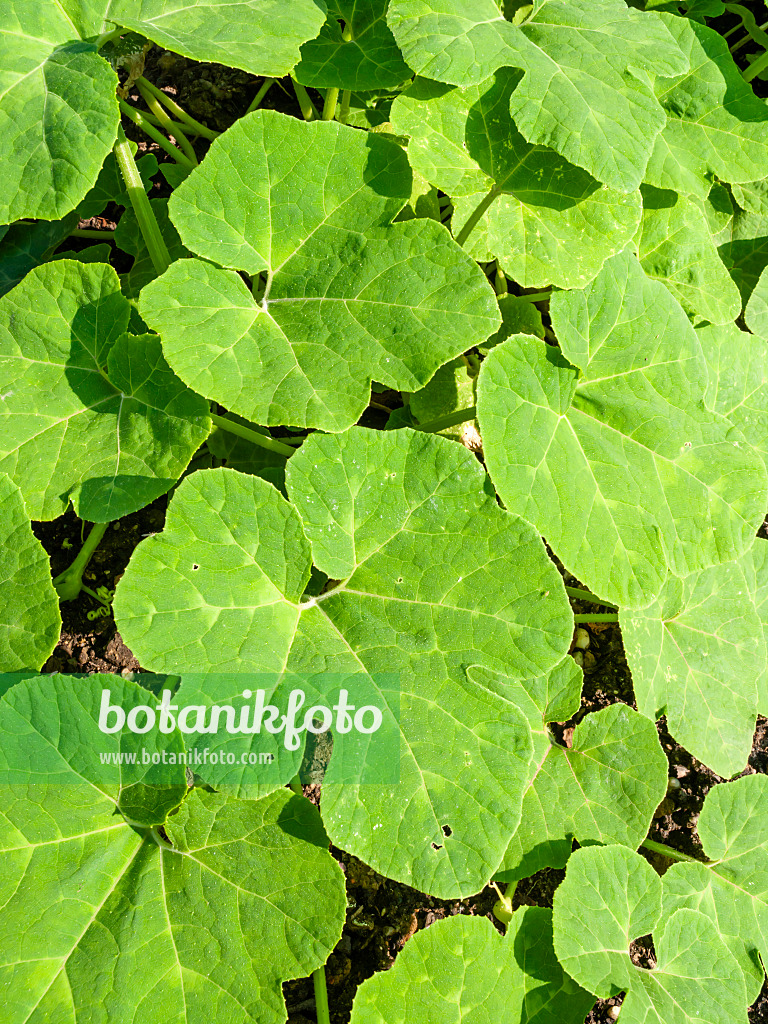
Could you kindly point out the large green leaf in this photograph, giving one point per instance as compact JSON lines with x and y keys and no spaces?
{"x":361,"y":56}
{"x":349,"y":297}
{"x":29,"y":608}
{"x":754,"y":565}
{"x":260,"y":36}
{"x":756,"y":313}
{"x":436,"y":578}
{"x":697,"y":654}
{"x":104,"y":920}
{"x":129,"y":238}
{"x":676,"y":247}
{"x":733,"y":891}
{"x":612,"y":896}
{"x":58,"y":109}
{"x":27,"y":244}
{"x":716,"y":126}
{"x":603,"y":788}
{"x":612,"y":455}
{"x":586,"y":91}
{"x":738,"y":380}
{"x":90,"y":414}
{"x":551,"y":223}
{"x":462,"y":970}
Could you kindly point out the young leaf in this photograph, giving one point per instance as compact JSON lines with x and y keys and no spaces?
{"x":260,"y":36}
{"x":603,"y":788}
{"x":58,"y":100}
{"x":700,"y":645}
{"x":101,"y":915}
{"x":716,"y":126}
{"x":90,"y":414}
{"x":437,"y":578}
{"x":618,"y":463}
{"x":738,"y":380}
{"x":349,"y":296}
{"x":586,"y":91}
{"x":362,"y":55}
{"x":733,"y":891}
{"x":29,"y":607}
{"x":446,"y":972}
{"x":676,"y":247}
{"x":551,"y":222}
{"x":612,"y":896}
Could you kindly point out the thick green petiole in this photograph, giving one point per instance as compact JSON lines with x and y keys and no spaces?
{"x":667,"y":851}
{"x":170,"y":126}
{"x":308,"y":111}
{"x":346,"y":99}
{"x":755,"y":68}
{"x":69,"y":583}
{"x":254,"y":436}
{"x":150,"y":230}
{"x":322,"y":1011}
{"x":178,"y":112}
{"x":149,"y":129}
{"x":600,"y":617}
{"x":585,"y":595}
{"x":450,"y":420}
{"x":256,"y":101}
{"x":476,"y":215}
{"x":329,"y":106}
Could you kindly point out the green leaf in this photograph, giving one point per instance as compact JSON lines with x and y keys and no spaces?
{"x":436,"y":577}
{"x":732,"y":892}
{"x":90,"y":414}
{"x":349,"y":297}
{"x":246,"y":457}
{"x":676,"y":247}
{"x":58,"y":100}
{"x":451,"y":389}
{"x":618,"y":464}
{"x":361,"y":56}
{"x":29,"y":607}
{"x":110,"y":186}
{"x":551,"y":223}
{"x":743,"y":248}
{"x":738,"y":381}
{"x":27,"y":244}
{"x":716,"y":126}
{"x":700,"y":646}
{"x":461,"y":968}
{"x":260,"y":36}
{"x":586,"y":92}
{"x":754,"y":565}
{"x":518,"y":316}
{"x":129,"y":238}
{"x":612,"y":896}
{"x":756,"y":313}
{"x":101,"y":916}
{"x":603,"y":788}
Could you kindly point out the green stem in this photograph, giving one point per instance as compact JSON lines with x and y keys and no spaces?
{"x":252,"y":435}
{"x":308,"y":111}
{"x":322,"y":1011}
{"x":107,"y":37}
{"x":451,"y":420}
{"x":149,"y":129}
{"x":742,"y":42}
{"x":346,"y":99}
{"x":170,"y":126}
{"x":329,"y":106}
{"x":476,"y":214}
{"x":256,"y":101}
{"x":69,"y":583}
{"x":103,"y":236}
{"x":592,"y":617}
{"x":749,"y":22}
{"x":536,"y":296}
{"x":500,"y":282}
{"x":586,"y":595}
{"x":177,"y":111}
{"x":142,"y":207}
{"x":667,"y":851}
{"x":755,"y":68}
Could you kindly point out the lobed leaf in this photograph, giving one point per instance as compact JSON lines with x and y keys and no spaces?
{"x":612,"y":455}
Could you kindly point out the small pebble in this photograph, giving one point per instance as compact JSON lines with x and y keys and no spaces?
{"x":582,"y":639}
{"x":613,"y":1012}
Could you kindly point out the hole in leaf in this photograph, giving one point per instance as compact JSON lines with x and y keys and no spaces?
{"x":447,"y":830}
{"x":195,"y":566}
{"x":436,"y":847}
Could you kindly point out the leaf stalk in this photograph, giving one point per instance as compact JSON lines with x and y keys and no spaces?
{"x":150,"y":229}
{"x":69,"y":583}
{"x":149,"y":129}
{"x":270,"y":443}
{"x":476,"y":215}
{"x":586,"y":595}
{"x":452,"y":419}
{"x":176,"y":110}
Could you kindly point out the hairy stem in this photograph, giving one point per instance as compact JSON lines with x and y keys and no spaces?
{"x":450,"y":420}
{"x":668,"y":851}
{"x":177,"y":111}
{"x":69,"y":583}
{"x":308,"y":111}
{"x":170,"y":126}
{"x":149,"y":129}
{"x":477,"y":213}
{"x":256,"y":101}
{"x":150,"y":230}
{"x":247,"y":434}
{"x":586,"y":595}
{"x":600,"y":617}
{"x":329,"y":106}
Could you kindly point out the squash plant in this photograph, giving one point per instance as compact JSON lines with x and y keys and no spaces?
{"x":543,"y":227}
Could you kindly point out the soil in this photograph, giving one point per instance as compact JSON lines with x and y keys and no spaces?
{"x":382,"y":914}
